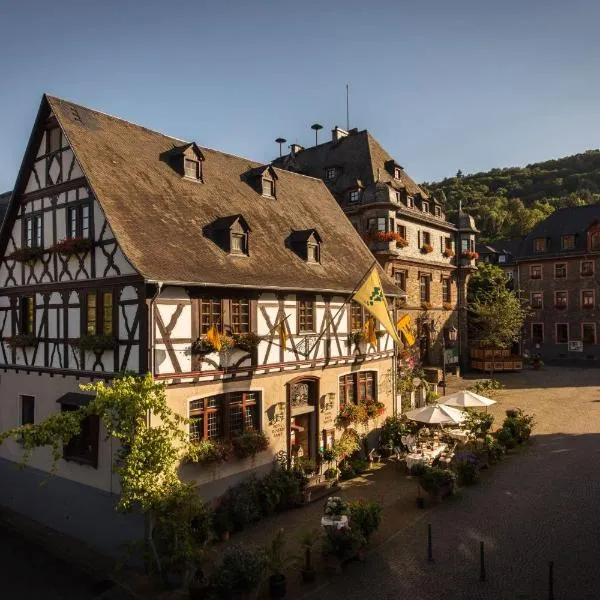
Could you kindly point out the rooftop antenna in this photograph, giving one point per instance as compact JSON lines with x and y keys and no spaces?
{"x":316,"y":127}
{"x":280,"y":141}
{"x":347,"y":109}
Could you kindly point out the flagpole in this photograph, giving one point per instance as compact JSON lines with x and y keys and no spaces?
{"x":307,"y":353}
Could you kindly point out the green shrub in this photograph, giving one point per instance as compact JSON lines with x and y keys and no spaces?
{"x":331,"y":473}
{"x":466,"y":467}
{"x":366,"y":516}
{"x":392,"y":430}
{"x":241,"y":570}
{"x":487,"y":387}
{"x":506,"y":438}
{"x":519,"y":424}
{"x":478,"y":423}
{"x":434,"y":478}
{"x":359,"y":465}
{"x":493,"y":447}
{"x":346,"y":471}
{"x":343,"y":543}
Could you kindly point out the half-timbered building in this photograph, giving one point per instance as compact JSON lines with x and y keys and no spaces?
{"x":121,"y":249}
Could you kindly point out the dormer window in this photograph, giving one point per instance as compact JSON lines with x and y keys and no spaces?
{"x":268,"y":187}
{"x":594,"y":241}
{"x":437,"y":211}
{"x":185,"y":160}
{"x":230,"y":234}
{"x":331,"y":173}
{"x":354,"y":196}
{"x":192,"y":168}
{"x":540,"y":245}
{"x":306,"y":244}
{"x":425,"y":206}
{"x":397,"y":173}
{"x":410,"y":202}
{"x":567,"y":242}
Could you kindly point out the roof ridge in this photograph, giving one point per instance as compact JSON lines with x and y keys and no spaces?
{"x":101,"y":112}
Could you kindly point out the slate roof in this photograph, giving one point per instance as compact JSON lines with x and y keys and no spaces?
{"x":564,"y":221}
{"x":158,"y":216}
{"x":361,"y":158}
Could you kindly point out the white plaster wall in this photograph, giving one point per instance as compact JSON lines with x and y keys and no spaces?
{"x":46,"y":390}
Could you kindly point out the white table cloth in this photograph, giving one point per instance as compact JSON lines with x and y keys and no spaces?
{"x":461,"y":435}
{"x":424,"y":458}
{"x":339,"y":523}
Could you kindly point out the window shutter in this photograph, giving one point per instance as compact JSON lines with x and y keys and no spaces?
{"x":419,"y":238}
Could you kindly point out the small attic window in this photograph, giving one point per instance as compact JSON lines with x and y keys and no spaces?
{"x":331,"y":173}
{"x":425,"y":206}
{"x":268,"y":187}
{"x":410,"y":202}
{"x":312,"y":252}
{"x":192,"y":169}
{"x":437,"y":211}
{"x":306,"y":244}
{"x":397,"y":173}
{"x":239,"y":243}
{"x":354,"y":196}
{"x":231,"y":234}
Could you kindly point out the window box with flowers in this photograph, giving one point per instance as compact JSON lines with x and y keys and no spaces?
{"x":26,"y":254}
{"x":426,"y":248}
{"x":69,"y":246}
{"x":97,"y":343}
{"x":426,"y":306}
{"x":448,"y":253}
{"x":469,"y":255}
{"x":207,"y":452}
{"x":203,"y":345}
{"x":246,"y":341}
{"x":447,"y":305}
{"x":360,"y":413}
{"x":23,"y":340}
{"x":391,"y":236}
{"x":249,"y":444}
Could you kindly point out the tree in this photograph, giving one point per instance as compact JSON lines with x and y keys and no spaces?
{"x":496,"y":317}
{"x":487,"y":279}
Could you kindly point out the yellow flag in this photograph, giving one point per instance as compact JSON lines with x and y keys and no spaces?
{"x":403,"y":326}
{"x":371,"y":296}
{"x":282,"y":334}
{"x":214,"y":337}
{"x":369,"y":331}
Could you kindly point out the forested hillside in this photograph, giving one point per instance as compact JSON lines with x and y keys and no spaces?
{"x":507,"y":203}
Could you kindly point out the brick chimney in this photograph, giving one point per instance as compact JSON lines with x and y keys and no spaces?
{"x":337,"y":133}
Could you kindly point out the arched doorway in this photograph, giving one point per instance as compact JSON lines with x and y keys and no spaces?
{"x":303,"y":403}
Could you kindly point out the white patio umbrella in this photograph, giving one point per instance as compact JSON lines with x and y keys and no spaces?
{"x":466,"y":399}
{"x":436,"y":413}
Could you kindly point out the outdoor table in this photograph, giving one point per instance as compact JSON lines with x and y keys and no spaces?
{"x":425,"y":456}
{"x":461,"y":435}
{"x":339,"y":523}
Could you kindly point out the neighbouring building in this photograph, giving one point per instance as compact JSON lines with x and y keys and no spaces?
{"x":558,"y":266}
{"x":407,"y":230}
{"x":503,"y":254}
{"x":121,"y":248}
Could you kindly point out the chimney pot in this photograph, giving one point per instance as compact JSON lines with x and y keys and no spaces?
{"x":337,"y":133}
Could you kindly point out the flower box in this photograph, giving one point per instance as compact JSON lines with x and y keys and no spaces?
{"x":426,"y":248}
{"x":204,"y":346}
{"x":247,"y":341}
{"x":69,"y":246}
{"x":448,"y":253}
{"x":426,"y":306}
{"x":97,"y":343}
{"x":447,"y":305}
{"x":26,"y":254}
{"x":22,"y":340}
{"x":469,"y":255}
{"x":249,"y":444}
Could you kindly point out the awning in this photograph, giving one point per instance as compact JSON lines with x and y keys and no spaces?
{"x":76,"y":399}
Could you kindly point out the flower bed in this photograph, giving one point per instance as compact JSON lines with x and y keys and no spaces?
{"x":26,"y":254}
{"x":69,"y":246}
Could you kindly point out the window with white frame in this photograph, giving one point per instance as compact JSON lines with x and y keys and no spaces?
{"x":588,"y":299}
{"x":588,"y":333}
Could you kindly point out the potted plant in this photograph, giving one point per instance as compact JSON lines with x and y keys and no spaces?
{"x":240,"y":572}
{"x":309,"y":539}
{"x":277,"y":580}
{"x":439,"y":483}
{"x":335,"y":507}
{"x":365,"y":515}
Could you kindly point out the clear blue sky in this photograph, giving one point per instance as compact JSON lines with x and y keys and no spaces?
{"x":468,"y":84}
